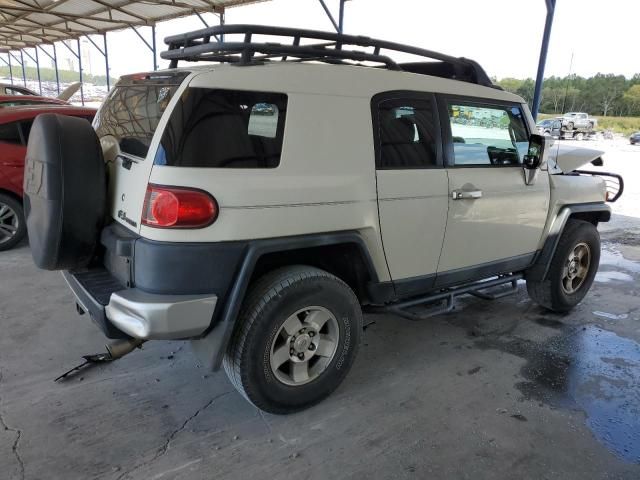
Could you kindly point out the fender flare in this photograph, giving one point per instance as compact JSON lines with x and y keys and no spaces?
{"x":212,"y":346}
{"x":540,"y":268}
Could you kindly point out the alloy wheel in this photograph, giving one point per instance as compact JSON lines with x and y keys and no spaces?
{"x":576,"y":268}
{"x":304,"y":346}
{"x":9,"y":223}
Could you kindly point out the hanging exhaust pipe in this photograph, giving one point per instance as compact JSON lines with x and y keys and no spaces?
{"x":115,"y":350}
{"x":119,"y":348}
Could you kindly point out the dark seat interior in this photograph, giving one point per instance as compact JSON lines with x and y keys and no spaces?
{"x":405,"y":144}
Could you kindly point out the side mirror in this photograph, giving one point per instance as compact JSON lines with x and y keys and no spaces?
{"x":538,"y":146}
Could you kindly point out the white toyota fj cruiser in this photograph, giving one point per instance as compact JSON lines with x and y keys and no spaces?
{"x":254,"y":207}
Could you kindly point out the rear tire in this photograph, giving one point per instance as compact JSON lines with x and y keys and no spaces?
{"x":283,"y":359}
{"x":572,"y":269}
{"x":12,"y":224}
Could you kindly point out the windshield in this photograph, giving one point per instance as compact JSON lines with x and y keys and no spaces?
{"x":133,"y":109}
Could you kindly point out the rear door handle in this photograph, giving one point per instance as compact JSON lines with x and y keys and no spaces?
{"x":466,"y":194}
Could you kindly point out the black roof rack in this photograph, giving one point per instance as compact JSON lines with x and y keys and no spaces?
{"x":211,"y":44}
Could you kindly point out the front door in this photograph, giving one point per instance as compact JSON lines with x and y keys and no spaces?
{"x":495,"y":221}
{"x":412,"y":187}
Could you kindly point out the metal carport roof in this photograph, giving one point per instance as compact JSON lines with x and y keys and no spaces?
{"x":27,"y":23}
{"x":33,"y":23}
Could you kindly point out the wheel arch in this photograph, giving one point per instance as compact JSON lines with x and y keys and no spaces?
{"x":344,"y":254}
{"x":593,"y":213}
{"x":12,"y":194}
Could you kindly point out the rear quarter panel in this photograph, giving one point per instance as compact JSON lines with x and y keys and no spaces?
{"x":325,"y":181}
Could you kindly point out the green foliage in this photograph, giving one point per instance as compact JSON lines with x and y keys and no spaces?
{"x":624,"y":125}
{"x":602,"y":94}
{"x":49,"y":75}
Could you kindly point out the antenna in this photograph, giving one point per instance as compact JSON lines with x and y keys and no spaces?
{"x":566,"y":90}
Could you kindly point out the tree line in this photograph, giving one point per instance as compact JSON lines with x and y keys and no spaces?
{"x":602,"y":94}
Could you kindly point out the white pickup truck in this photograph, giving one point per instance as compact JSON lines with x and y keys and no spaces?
{"x":578,"y":120}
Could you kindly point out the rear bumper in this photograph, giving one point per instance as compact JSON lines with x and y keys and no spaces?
{"x":130,"y":312}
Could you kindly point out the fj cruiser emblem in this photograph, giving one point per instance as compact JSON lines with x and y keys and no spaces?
{"x":122,"y":215}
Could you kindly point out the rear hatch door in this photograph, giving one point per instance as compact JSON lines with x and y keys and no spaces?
{"x":126,"y":124}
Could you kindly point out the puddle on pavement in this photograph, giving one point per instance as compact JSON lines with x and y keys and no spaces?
{"x":590,"y":369}
{"x":613,"y":258}
{"x":608,"y":277}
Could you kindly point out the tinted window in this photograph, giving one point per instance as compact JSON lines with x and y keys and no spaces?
{"x":132,"y":110}
{"x":26,"y":129}
{"x":9,"y":133}
{"x":487,"y":135}
{"x":224,"y":129}
{"x":407,"y":134}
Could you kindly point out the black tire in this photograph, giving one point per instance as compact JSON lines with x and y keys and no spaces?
{"x":269,"y":302}
{"x":570,"y":125}
{"x":65,"y":191}
{"x":550,"y":292}
{"x":12,"y":224}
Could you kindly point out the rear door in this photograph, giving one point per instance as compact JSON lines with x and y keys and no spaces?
{"x":495,"y":220}
{"x":412,"y":187}
{"x":126,"y":124}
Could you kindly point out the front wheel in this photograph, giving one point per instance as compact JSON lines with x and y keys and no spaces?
{"x":572,"y":269}
{"x":296,"y":339}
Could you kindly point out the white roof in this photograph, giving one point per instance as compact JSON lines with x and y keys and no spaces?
{"x":26,"y":23}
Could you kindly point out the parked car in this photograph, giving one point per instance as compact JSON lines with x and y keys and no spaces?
{"x":551,"y":127}
{"x":262,"y":237}
{"x":578,"y":120}
{"x":15,"y":126}
{"x":20,"y":100}
{"x":10,"y":89}
{"x":634,"y":138}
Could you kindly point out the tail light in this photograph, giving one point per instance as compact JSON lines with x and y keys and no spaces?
{"x":177,"y":207}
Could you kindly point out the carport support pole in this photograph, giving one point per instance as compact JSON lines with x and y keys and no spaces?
{"x":24,"y":75}
{"x":80,"y":70}
{"x":38,"y":70}
{"x":55,"y":66}
{"x":106,"y":60}
{"x":10,"y":67}
{"x":341,"y":17}
{"x":153,"y":47}
{"x":537,"y":94}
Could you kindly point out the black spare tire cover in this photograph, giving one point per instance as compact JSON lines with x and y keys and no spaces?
{"x":65,"y":191}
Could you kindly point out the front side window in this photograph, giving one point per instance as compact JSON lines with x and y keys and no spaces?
{"x":487,"y":135}
{"x":224,"y":129}
{"x":408,"y":135}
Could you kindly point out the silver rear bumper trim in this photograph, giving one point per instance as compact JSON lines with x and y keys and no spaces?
{"x":150,"y":316}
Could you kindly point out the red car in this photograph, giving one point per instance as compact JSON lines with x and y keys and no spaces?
{"x":15,"y":125}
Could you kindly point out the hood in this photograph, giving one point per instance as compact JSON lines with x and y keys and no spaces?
{"x":68,"y":92}
{"x":567,"y":158}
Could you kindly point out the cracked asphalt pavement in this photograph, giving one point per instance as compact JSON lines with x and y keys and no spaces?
{"x":492,"y":390}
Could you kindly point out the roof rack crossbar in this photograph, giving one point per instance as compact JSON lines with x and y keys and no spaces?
{"x":330,"y":47}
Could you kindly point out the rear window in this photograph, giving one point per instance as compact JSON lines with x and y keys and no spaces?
{"x":224,"y":129}
{"x":133,"y":109}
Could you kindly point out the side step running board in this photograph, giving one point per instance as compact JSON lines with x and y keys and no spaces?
{"x":445,"y":298}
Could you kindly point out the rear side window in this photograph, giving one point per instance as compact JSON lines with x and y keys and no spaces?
{"x":9,"y":133}
{"x":408,"y":136}
{"x":224,"y":129}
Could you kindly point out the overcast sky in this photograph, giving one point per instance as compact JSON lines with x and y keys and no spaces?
{"x":503,"y":35}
